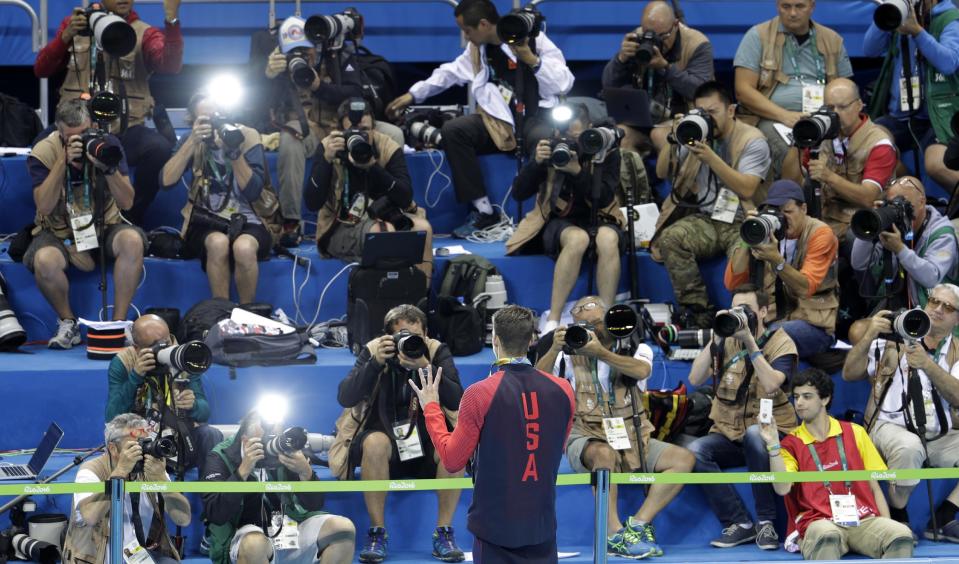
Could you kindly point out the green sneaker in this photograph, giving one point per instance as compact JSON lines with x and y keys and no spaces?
{"x":634,"y":541}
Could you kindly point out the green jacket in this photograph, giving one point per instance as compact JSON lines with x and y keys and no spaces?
{"x":124,"y":386}
{"x":216,"y":505}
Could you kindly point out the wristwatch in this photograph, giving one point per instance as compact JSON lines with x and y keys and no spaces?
{"x":779,"y":267}
{"x":174,"y":21}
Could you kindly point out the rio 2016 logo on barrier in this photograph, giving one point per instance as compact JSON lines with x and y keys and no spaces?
{"x":762,"y":478}
{"x":153,"y":488}
{"x":883,"y":475}
{"x":642,"y":479}
{"x":35,"y":490}
{"x":278,"y":487}
{"x":403,"y":485}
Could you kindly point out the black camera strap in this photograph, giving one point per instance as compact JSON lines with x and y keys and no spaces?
{"x":137,"y":520}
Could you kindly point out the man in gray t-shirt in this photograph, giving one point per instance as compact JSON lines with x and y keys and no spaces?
{"x":722,"y":183}
{"x":805,"y":70}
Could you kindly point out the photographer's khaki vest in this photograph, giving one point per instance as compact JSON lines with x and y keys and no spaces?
{"x":539,"y":216}
{"x":886,"y":369}
{"x":130,"y":68}
{"x":821,"y":308}
{"x":690,"y":40}
{"x":837,"y":212}
{"x":590,"y":412}
{"x":732,"y":420}
{"x":686,"y":185}
{"x":266,"y":206}
{"x":385,"y":148}
{"x":773,"y":38}
{"x":89,"y":544}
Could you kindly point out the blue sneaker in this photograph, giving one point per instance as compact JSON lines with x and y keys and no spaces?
{"x":477,"y":222}
{"x":634,"y":541}
{"x":444,"y":546}
{"x":375,"y":550}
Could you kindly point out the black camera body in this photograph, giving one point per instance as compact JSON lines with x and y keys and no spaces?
{"x":289,"y":442}
{"x":760,"y":229}
{"x":821,"y":125}
{"x":728,"y":322}
{"x":358,"y":146}
{"x":97,"y":143}
{"x":412,"y":346}
{"x":227,"y":130}
{"x":648,"y":42}
{"x":561,"y":151}
{"x":907,"y":325}
{"x":867,"y":224}
{"x":520,"y":24}
{"x":384,"y":209}
{"x":160,"y":447}
{"x":695,"y":126}
{"x":298,"y":65}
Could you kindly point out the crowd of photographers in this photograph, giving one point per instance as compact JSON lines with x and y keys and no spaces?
{"x":828,"y":238}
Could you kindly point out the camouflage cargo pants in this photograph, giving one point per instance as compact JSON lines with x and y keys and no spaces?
{"x":692,"y":238}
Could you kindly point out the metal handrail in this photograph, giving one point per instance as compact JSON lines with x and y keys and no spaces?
{"x":39,"y":36}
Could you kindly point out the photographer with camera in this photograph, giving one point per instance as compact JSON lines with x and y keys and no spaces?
{"x":596,"y":369}
{"x":360,"y":184}
{"x":561,"y":176}
{"x":131,"y":454}
{"x":383,"y":432}
{"x":306,"y":83}
{"x":79,"y":177}
{"x":718,"y":167}
{"x":924,"y":35}
{"x":911,"y":359}
{"x":797,"y":256}
{"x":499,"y":64}
{"x":914,"y":247}
{"x":258,"y":528}
{"x":666,"y":58}
{"x":231,"y":209}
{"x":818,"y":526}
{"x":150,"y":50}
{"x":749,"y":364}
{"x":142,"y":384}
{"x":782,"y":66}
{"x":852,"y":157}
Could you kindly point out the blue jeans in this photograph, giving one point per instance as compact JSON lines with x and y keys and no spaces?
{"x":809,"y":339}
{"x":714,"y":453}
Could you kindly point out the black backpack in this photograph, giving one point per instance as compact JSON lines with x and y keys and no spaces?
{"x":459,"y":315}
{"x":379,"y":84}
{"x":202,"y":317}
{"x":19,"y":124}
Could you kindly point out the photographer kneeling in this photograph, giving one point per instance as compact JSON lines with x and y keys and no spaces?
{"x":130,"y":455}
{"x":140,"y":384}
{"x":595,"y":370}
{"x":756,"y":364}
{"x":560,"y":223}
{"x":929,"y":257}
{"x":229,"y":215}
{"x":796,"y":255}
{"x":911,"y":359}
{"x":366,"y":169}
{"x":374,"y":431}
{"x":262,"y":451}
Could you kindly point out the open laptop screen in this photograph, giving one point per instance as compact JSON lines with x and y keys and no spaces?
{"x":49,"y":442}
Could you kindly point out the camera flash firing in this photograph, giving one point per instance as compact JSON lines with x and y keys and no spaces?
{"x":226,"y":91}
{"x":561,"y":114}
{"x":272,"y":408}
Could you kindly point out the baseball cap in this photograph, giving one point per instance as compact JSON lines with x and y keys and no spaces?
{"x":292,"y":35}
{"x":782,"y":191}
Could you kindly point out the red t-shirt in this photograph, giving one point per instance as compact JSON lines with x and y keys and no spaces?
{"x":880,"y":164}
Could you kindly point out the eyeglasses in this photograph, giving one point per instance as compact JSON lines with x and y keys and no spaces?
{"x":584,"y":307}
{"x":844,"y":107}
{"x":935,"y":302}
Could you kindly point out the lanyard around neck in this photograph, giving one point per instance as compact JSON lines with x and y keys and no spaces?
{"x":793,"y":47}
{"x":842,"y":460}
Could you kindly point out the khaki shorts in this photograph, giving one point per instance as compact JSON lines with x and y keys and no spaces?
{"x":576,"y":444}
{"x":309,"y":532}
{"x":346,"y":241}
{"x":83,"y":261}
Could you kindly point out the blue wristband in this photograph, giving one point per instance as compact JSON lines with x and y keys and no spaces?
{"x":755,"y":355}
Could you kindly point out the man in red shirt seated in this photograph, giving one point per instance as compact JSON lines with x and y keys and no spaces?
{"x":828,"y":519}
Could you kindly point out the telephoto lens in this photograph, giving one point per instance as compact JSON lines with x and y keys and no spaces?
{"x":300,"y":71}
{"x":598,"y":140}
{"x":112,"y":33}
{"x":890,"y":14}
{"x":12,"y":334}
{"x":358,"y":145}
{"x":621,"y":321}
{"x":762,"y":228}
{"x":519,"y":24}
{"x":728,"y":322}
{"x":160,"y":447}
{"x":908,"y":325}
{"x":412,"y":346}
{"x":576,"y":336}
{"x":96,"y":143}
{"x":561,"y":152}
{"x":289,"y":442}
{"x":867,"y":224}
{"x":105,"y":106}
{"x":811,"y":131}
{"x":329,"y":29}
{"x":426,"y":134}
{"x":193,"y":357}
{"x":686,"y":338}
{"x":698,"y":125}
{"x":34,"y":550}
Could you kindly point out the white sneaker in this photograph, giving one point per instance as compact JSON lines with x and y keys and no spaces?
{"x":68,"y":335}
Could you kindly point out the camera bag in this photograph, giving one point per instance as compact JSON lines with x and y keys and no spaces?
{"x":202,"y":317}
{"x":19,"y":124}
{"x":459,"y":318}
{"x":251,"y":349}
{"x":374,"y":291}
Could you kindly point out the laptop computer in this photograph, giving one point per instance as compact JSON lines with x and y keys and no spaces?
{"x":394,"y":249}
{"x":628,"y":106}
{"x":32,"y":469}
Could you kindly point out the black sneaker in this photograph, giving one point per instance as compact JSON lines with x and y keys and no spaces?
{"x":477,"y":222}
{"x":735,"y":535}
{"x":292,"y":235}
{"x":766,"y":537}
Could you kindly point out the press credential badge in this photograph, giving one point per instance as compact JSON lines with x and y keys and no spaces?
{"x":133,"y":553}
{"x":813,"y":96}
{"x":616,"y":436}
{"x":727,"y":203}
{"x":289,"y":537}
{"x":845,"y":510}
{"x":410,"y":447}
